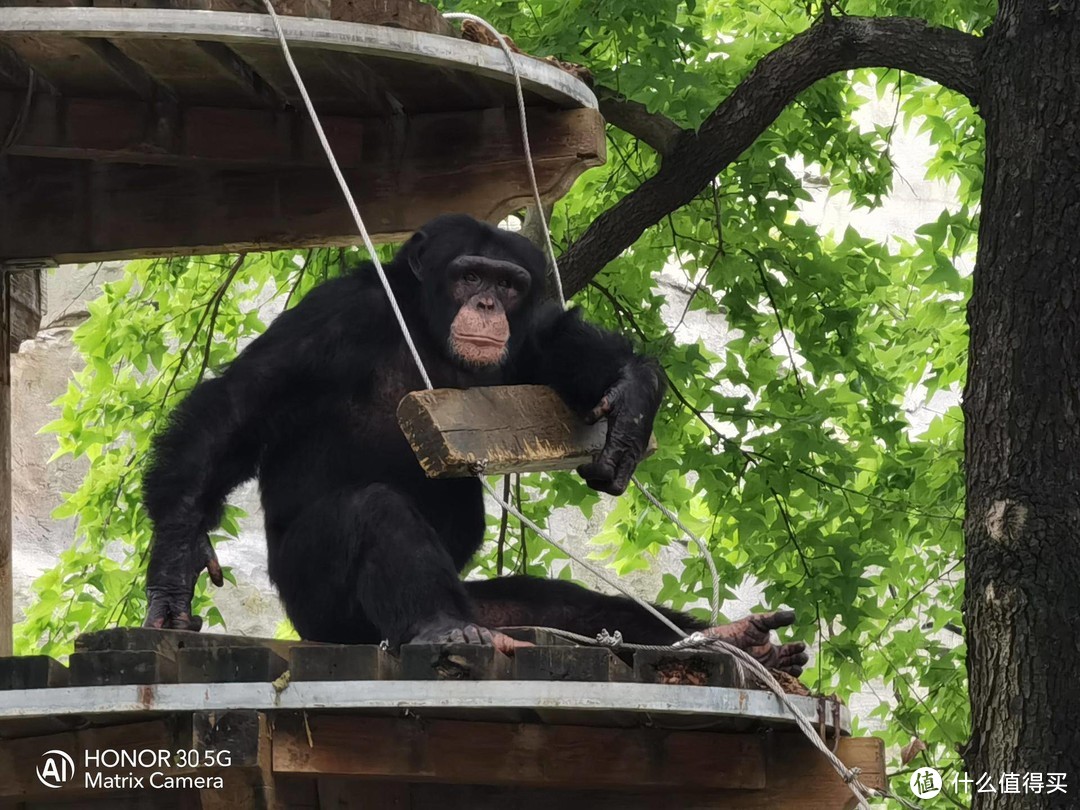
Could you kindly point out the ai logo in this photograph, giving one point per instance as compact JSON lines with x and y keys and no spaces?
{"x":56,"y":769}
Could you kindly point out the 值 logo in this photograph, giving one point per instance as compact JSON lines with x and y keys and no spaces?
{"x":57,"y":769}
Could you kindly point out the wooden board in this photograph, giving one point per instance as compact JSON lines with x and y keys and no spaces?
{"x":77,"y":210}
{"x":102,"y":98}
{"x":498,"y":429}
{"x":451,"y":751}
{"x":795,"y":776}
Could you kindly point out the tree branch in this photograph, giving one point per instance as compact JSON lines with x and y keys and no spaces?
{"x":658,"y":131}
{"x":944,"y":55}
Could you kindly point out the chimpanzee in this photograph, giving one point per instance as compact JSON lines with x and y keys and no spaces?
{"x":362,"y":546}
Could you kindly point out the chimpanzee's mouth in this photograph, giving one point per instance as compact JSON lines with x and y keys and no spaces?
{"x":482,"y":340}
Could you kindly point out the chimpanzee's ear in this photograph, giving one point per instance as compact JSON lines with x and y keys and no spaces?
{"x":411,"y":252}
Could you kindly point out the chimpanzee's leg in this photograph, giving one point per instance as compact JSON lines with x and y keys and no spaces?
{"x":514,"y":601}
{"x":365,"y":565}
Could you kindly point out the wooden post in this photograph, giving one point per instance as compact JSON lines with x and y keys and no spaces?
{"x":6,"y":590}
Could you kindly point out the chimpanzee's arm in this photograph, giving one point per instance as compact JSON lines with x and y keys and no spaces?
{"x":599,"y":375}
{"x":214,"y":437}
{"x":527,"y":601}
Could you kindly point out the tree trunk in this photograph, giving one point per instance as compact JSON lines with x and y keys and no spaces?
{"x":1022,"y":410}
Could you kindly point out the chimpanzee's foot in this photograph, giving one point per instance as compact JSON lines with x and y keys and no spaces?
{"x":752,"y":635}
{"x":455,"y":631}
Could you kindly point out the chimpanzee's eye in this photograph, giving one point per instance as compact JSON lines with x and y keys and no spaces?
{"x":504,"y":283}
{"x":472,"y":278}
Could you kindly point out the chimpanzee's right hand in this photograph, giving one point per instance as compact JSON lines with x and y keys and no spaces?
{"x":171,"y":584}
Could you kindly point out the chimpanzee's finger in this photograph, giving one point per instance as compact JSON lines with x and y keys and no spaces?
{"x":599,"y":412}
{"x":213,"y":567}
{"x":627,"y":465}
{"x":598,"y":474}
{"x":773,"y":621}
{"x":473,"y":634}
{"x":156,"y":615}
{"x":794,"y":653}
{"x":456,"y":636}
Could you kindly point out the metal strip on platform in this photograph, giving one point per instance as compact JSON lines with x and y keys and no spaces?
{"x":537,"y":76}
{"x":665,"y":699}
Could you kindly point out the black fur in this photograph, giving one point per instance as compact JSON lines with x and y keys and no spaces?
{"x":362,"y":546}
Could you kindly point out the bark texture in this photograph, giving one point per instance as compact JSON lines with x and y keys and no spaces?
{"x":1022,"y":410}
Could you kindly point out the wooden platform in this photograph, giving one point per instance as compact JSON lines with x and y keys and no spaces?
{"x":164,"y":128}
{"x":434,"y":726}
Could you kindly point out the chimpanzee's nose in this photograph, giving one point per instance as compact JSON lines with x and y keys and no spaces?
{"x":485,"y":302}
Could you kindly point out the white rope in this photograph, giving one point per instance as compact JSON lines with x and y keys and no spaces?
{"x":850,"y":776}
{"x":701,"y":544}
{"x":595,"y":570}
{"x":460,"y":15}
{"x":345,"y":190}
{"x":546,"y":230}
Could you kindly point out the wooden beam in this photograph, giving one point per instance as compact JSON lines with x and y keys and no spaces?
{"x":121,"y":131}
{"x":450,"y":751}
{"x":84,"y":66}
{"x":499,"y":429}
{"x":169,"y":643}
{"x":81,"y":211}
{"x":7,"y":594}
{"x":797,"y":776}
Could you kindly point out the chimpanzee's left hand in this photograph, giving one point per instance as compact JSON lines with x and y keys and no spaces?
{"x":630,"y":406}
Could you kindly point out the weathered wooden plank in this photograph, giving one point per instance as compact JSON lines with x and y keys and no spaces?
{"x":686,"y":667}
{"x":244,"y":737}
{"x":338,"y":83}
{"x":342,"y":662}
{"x":77,"y":211}
{"x":352,"y":794}
{"x":88,"y":67}
{"x":169,"y":642}
{"x":453,"y":751}
{"x":797,"y":776}
{"x":563,"y":663}
{"x":31,"y":672}
{"x":498,"y":429}
{"x":128,"y":666}
{"x":14,"y":74}
{"x":453,"y":662}
{"x":200,"y":72}
{"x":415,"y":147}
{"x":228,"y":665}
{"x":120,"y":131}
{"x":117,"y":130}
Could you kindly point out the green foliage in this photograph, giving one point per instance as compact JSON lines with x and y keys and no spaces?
{"x":789,"y":447}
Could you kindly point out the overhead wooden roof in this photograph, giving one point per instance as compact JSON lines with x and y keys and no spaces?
{"x":152,"y":131}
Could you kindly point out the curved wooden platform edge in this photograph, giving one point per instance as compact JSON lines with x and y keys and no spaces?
{"x":537,"y":76}
{"x":143,"y":166}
